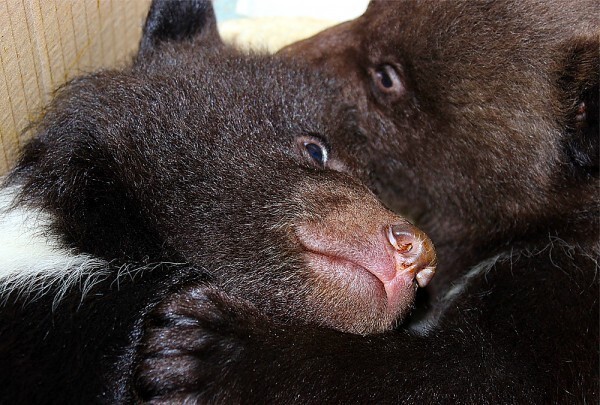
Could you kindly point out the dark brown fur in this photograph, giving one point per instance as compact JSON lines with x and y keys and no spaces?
{"x":492,"y":146}
{"x":184,"y":173}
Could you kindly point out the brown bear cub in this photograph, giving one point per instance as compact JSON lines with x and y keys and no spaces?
{"x":481,"y":118}
{"x":198,"y":177}
{"x":481,"y":122}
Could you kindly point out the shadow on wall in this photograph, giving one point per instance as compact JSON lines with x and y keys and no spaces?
{"x":272,"y":24}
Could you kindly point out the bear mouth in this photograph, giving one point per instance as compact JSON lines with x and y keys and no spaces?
{"x":336,"y":266}
{"x":364,"y":289}
{"x":367,"y":274}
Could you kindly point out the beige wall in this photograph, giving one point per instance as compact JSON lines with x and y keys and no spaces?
{"x":44,"y":43}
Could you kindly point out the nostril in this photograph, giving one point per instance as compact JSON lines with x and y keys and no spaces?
{"x":400,"y":239}
{"x":404,"y":247}
{"x":413,"y":253}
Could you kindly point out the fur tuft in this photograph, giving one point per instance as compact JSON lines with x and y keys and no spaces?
{"x":33,"y":262}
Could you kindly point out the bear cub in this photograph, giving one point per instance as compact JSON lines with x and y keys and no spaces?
{"x":197,"y":178}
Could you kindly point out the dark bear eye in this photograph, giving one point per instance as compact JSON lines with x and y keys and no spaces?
{"x":384,"y":78}
{"x":314,"y":148}
{"x":387,"y":80}
{"x":316,"y":152}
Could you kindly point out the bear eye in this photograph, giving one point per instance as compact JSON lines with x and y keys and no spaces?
{"x":387,"y":80}
{"x":316,"y":152}
{"x":314,"y":148}
{"x":384,"y":77}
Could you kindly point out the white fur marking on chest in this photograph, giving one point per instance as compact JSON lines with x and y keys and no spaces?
{"x":32,"y":260}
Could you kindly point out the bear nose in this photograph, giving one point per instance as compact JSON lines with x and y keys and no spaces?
{"x":413,"y":252}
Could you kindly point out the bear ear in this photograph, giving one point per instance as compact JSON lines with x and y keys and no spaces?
{"x":179,"y":20}
{"x":579,"y":84}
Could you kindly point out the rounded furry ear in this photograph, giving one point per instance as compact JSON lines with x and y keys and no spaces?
{"x":177,"y":21}
{"x":579,"y":84}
